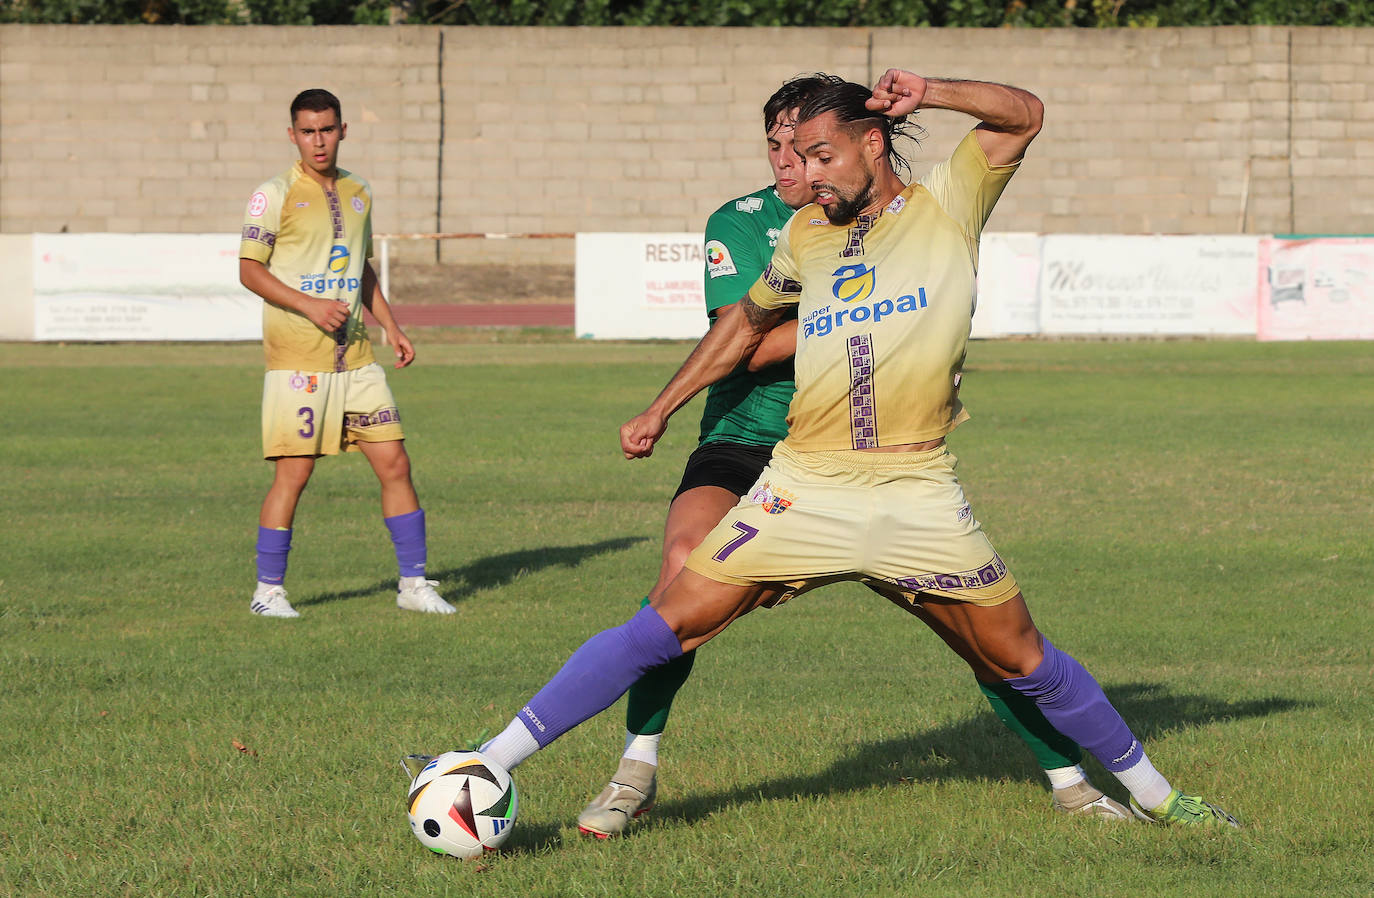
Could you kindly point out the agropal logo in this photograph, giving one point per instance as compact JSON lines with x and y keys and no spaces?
{"x":338,"y":258}
{"x":853,"y":283}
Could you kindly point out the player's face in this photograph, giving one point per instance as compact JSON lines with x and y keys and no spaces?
{"x":317,"y":136}
{"x":837,"y":167}
{"x":787,"y":165}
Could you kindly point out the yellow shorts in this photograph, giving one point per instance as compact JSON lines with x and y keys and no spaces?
{"x":327,"y":412}
{"x":896,"y":521}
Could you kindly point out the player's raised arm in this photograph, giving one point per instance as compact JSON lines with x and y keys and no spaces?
{"x":738,"y":330}
{"x":1009,"y":116}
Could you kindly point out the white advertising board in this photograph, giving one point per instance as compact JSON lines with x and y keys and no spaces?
{"x":1122,"y":284}
{"x":639,"y":286}
{"x":1008,"y":272}
{"x":1320,"y":288}
{"x":141,"y":287}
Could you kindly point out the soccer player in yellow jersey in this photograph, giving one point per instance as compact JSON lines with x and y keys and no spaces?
{"x":863,"y":487}
{"x":307,"y":236}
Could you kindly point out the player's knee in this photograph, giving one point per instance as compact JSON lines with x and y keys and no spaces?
{"x":675,"y":554}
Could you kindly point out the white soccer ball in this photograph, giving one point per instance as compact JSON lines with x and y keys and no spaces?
{"x":462,"y":804}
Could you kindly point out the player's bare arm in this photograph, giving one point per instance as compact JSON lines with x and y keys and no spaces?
{"x":326,"y":314}
{"x":778,"y":345}
{"x":1010,"y":117}
{"x":736,"y":334}
{"x":376,"y":303}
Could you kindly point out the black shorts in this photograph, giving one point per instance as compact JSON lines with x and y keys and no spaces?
{"x":730,"y":466}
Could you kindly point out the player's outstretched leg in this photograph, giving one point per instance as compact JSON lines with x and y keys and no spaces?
{"x":632,"y":790}
{"x":1058,"y":755}
{"x":1074,"y":703}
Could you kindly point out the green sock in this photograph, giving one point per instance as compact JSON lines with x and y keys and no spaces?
{"x":1052,"y":749}
{"x":651,"y":697}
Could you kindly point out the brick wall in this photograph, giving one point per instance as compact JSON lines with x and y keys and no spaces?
{"x":558,"y":130}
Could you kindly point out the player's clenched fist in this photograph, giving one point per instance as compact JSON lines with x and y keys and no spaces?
{"x":327,"y":314}
{"x":638,"y":435}
{"x":897,"y":93}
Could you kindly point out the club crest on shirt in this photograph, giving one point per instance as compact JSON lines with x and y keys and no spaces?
{"x":897,"y":205}
{"x":309,"y":383}
{"x":257,"y":204}
{"x":771,"y":499}
{"x":358,"y":204}
{"x":718,"y":261}
{"x":749,"y":204}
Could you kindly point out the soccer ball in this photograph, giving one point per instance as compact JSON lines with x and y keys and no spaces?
{"x":462,"y":804}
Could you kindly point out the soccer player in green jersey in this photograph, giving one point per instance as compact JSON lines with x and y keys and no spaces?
{"x":882,"y":277}
{"x":307,"y":236}
{"x":745,"y":416}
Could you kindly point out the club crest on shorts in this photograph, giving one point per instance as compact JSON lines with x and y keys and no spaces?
{"x":308,"y":383}
{"x":771,"y":499}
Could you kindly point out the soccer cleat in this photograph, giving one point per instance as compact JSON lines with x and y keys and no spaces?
{"x":1086,"y":800}
{"x":413,"y":764}
{"x":418,"y":594}
{"x":630,"y":795}
{"x":1185,"y":809}
{"x":270,"y":601}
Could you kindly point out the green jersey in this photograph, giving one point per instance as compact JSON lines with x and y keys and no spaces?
{"x":745,"y":407}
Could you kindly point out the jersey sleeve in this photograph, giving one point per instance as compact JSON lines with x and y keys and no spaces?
{"x":735,"y":256}
{"x":780,"y":283}
{"x":967,"y":187}
{"x":261,"y":222}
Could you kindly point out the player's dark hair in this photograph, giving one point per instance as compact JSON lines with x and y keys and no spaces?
{"x":846,"y":100}
{"x":316,"y":99}
{"x":794,"y":92}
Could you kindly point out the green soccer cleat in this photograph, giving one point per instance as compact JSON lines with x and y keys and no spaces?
{"x":413,"y":764}
{"x":1185,"y":809}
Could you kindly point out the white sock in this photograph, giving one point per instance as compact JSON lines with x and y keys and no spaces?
{"x":514,"y":744}
{"x":642,"y":748}
{"x":1063,"y":777}
{"x":1145,"y":783}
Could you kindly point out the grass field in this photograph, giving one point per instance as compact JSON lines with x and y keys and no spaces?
{"x":1192,"y":520}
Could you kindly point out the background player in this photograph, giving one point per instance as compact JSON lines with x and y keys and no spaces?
{"x":745,"y":415}
{"x":307,"y":236}
{"x":874,"y":493}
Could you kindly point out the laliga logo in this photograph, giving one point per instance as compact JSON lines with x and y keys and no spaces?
{"x":853,"y":282}
{"x":714,"y":255}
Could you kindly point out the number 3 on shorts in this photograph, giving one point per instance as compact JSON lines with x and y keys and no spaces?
{"x":307,"y":429}
{"x":746,"y":533}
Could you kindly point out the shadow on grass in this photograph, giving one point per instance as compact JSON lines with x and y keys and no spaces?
{"x":485,"y":573}
{"x":974,"y":750}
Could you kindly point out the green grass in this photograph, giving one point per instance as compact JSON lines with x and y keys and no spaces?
{"x":1192,"y":520}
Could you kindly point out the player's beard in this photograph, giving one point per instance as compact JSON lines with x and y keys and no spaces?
{"x":846,"y":208}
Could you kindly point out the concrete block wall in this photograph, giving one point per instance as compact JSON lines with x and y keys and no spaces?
{"x":502,"y":130}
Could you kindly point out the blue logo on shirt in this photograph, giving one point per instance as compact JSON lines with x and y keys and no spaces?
{"x":853,"y":282}
{"x":338,"y":258}
{"x":822,"y":321}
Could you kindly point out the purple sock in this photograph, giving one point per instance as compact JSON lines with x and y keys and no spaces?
{"x":598,"y":673}
{"x":408,"y":536}
{"x":1076,"y":706}
{"x":273,"y":547}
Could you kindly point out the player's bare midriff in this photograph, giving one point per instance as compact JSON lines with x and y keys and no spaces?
{"x":909,"y":447}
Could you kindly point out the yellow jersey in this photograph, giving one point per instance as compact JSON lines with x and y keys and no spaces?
{"x":317,"y":241}
{"x":884,"y":304}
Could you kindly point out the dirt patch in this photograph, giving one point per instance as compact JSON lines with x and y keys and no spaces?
{"x":420,"y":284}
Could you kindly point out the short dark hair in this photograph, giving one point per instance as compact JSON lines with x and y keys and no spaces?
{"x":846,"y":100}
{"x":794,"y":92}
{"x":316,"y":99}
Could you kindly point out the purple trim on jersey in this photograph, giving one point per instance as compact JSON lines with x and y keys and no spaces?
{"x":259,"y":234}
{"x":340,"y":349}
{"x":335,"y":212}
{"x":985,"y":576}
{"x":862,"y":225}
{"x":383,"y":416}
{"x":1075,"y":705}
{"x":783,"y":286}
{"x":863,"y":418}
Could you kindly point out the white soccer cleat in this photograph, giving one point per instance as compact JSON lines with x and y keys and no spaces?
{"x":269,"y":600}
{"x":418,"y":594}
{"x":629,"y":796}
{"x":1086,"y":800}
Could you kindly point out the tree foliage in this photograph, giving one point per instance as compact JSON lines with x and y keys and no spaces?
{"x":802,"y":13}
